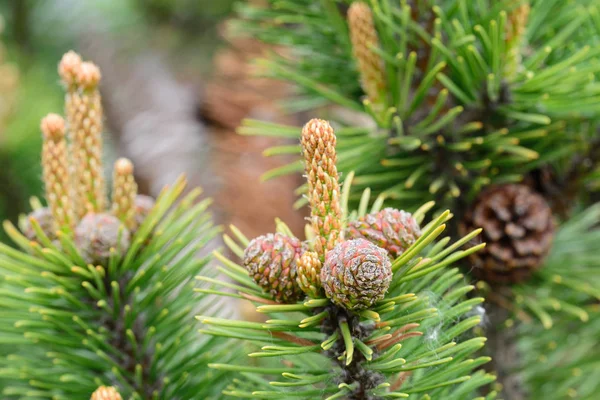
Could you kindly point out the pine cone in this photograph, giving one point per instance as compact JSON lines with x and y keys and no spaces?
{"x":97,"y":234}
{"x":106,"y":393}
{"x":390,"y":229}
{"x":309,"y":273}
{"x":44,"y":218}
{"x":143,"y":205}
{"x":271,"y":260}
{"x":356,"y":274}
{"x":518,"y":228}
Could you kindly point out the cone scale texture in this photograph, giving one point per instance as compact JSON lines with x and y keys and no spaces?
{"x":97,"y":234}
{"x":390,"y":229}
{"x":356,"y":274}
{"x":271,"y":260}
{"x":518,"y":228}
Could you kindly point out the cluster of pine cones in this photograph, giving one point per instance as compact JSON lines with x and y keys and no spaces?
{"x":355,"y":274}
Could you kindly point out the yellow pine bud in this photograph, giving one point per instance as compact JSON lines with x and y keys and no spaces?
{"x":515,"y":37}
{"x":363,"y":36}
{"x":309,"y":273}
{"x":55,"y":167}
{"x":84,"y":115}
{"x":124,"y":192}
{"x":106,"y":393}
{"x":68,"y":68}
{"x":318,"y":148}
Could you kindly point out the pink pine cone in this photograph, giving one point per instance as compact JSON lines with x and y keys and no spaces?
{"x":356,"y":274}
{"x":96,"y":234}
{"x":44,"y":218}
{"x":271,"y":260}
{"x":391,"y":229}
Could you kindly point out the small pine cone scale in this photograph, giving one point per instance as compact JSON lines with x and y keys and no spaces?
{"x":356,"y":274}
{"x":391,"y":229}
{"x":309,"y":274}
{"x":106,"y":393}
{"x":97,"y":234}
{"x":271,"y":260}
{"x":518,"y":228}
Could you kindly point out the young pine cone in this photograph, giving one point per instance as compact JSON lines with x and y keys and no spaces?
{"x":97,"y":234}
{"x":356,"y":274}
{"x":143,"y":205}
{"x":518,"y":229}
{"x":45,"y":220}
{"x":390,"y":229}
{"x":271,"y":260}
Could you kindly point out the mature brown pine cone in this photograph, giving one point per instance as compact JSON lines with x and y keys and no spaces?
{"x":391,"y":229}
{"x":518,"y":228}
{"x":271,"y":260}
{"x":356,"y":274}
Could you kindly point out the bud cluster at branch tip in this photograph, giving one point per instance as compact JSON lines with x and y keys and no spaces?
{"x":318,"y":148}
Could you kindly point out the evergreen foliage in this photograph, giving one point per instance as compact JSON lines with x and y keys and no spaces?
{"x":475,"y":94}
{"x":68,"y":325}
{"x":415,"y":342}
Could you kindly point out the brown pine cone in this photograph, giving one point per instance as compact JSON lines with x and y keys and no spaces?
{"x":518,"y":228}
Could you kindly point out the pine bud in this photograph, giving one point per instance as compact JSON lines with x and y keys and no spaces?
{"x":309,"y":274}
{"x":84,"y":116}
{"x":106,"y":393}
{"x":318,"y":148}
{"x":55,"y":167}
{"x":390,"y":229}
{"x":271,"y":260}
{"x":364,"y":38}
{"x":124,"y":193}
{"x":356,"y":274}
{"x":68,"y":68}
{"x":515,"y":37}
{"x":97,"y":234}
{"x":88,"y":76}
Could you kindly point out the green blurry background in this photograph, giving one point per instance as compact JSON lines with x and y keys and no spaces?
{"x":36,"y":33}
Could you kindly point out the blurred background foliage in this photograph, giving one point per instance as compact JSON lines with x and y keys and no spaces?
{"x":35,"y":33}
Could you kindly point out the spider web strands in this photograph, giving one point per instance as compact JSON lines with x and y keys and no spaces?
{"x":421,"y":333}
